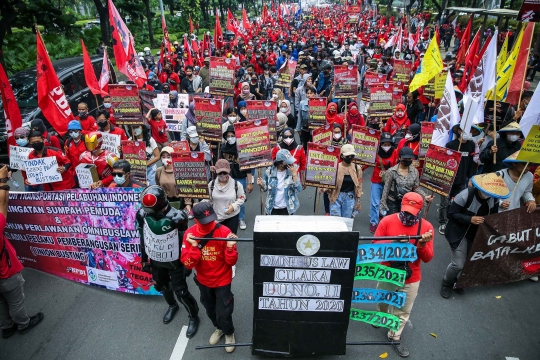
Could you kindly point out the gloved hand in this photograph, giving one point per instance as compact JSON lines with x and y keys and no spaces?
{"x":146,"y":268}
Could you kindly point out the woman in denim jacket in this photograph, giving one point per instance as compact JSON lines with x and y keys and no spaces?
{"x":284,"y":184}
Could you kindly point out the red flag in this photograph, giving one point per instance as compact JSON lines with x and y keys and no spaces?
{"x":105,"y":75}
{"x":516,"y":84}
{"x":89,"y":74}
{"x":469,"y":59}
{"x":245,"y":21}
{"x":464,"y":44}
{"x":51,"y":98}
{"x":166,"y":39}
{"x":191,"y":31}
{"x":231,"y":22}
{"x":218,"y":34}
{"x":479,"y":55}
{"x":264,"y":14}
{"x":12,"y":113}
{"x":187,"y":50}
{"x":273,"y":6}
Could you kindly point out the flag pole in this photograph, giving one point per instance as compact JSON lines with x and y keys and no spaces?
{"x":519,"y":179}
{"x":495,"y":108}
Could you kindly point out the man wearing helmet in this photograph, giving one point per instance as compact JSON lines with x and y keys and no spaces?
{"x":161,"y":228}
{"x":74,"y":146}
{"x":149,"y":59}
{"x":103,"y":159}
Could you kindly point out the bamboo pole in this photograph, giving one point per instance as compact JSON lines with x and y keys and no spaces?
{"x":519,"y":179}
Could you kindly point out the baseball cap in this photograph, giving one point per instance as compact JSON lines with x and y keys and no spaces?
{"x":386,"y":137}
{"x":406,"y":153}
{"x":204,"y":213}
{"x":285,"y":156}
{"x":223,"y":165}
{"x":412,"y":203}
{"x":168,"y":149}
{"x":347,"y":150}
{"x":192,"y":131}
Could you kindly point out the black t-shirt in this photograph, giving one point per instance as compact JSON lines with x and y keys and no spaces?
{"x":347,"y":185}
{"x":467,"y":166}
{"x":187,"y":85}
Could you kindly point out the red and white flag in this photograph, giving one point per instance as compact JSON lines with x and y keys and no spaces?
{"x":89,"y":74}
{"x":12,"y":113}
{"x":105,"y":75}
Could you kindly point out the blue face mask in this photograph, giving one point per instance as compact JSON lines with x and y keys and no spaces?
{"x":22,"y":142}
{"x":119,"y":180}
{"x":106,"y":105}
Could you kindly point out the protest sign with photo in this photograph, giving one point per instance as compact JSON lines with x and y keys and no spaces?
{"x":125,"y":100}
{"x":87,"y":175}
{"x":345,"y":81}
{"x":366,"y":143}
{"x":191,"y":174}
{"x":317,"y":112}
{"x":322,"y":162}
{"x":502,"y":109}
{"x":380,"y":98}
{"x":529,"y":11}
{"x":173,"y":118}
{"x":263,"y":109}
{"x":253,"y":144}
{"x":135,"y":153}
{"x":402,"y":70}
{"x":426,"y":133}
{"x":42,"y":170}
{"x":208,"y":114}
{"x":18,"y":155}
{"x":506,"y":249}
{"x":323,"y":135}
{"x":221,"y":76}
{"x":111,"y":142}
{"x":286,"y":74}
{"x":440,"y":169}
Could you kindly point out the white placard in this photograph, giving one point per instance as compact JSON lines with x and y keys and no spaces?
{"x":17,"y":156}
{"x":42,"y":170}
{"x":161,"y":247}
{"x":84,"y":174}
{"x":330,"y":291}
{"x":108,"y":279}
{"x":288,"y":304}
{"x":111,"y":142}
{"x":305,"y":262}
{"x":161,"y":101}
{"x":319,"y":276}
{"x":173,"y":118}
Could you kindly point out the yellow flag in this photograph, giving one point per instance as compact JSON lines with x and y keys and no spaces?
{"x":503,"y":55}
{"x":504,"y":77}
{"x":430,"y":66}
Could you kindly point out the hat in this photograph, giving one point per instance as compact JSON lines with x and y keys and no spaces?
{"x":37,"y":124}
{"x":414,"y":129}
{"x":285,"y":156}
{"x":455,"y":129}
{"x":491,"y":184}
{"x":303,"y":66}
{"x":386,"y":137}
{"x":74,"y":125}
{"x":513,"y":126}
{"x":192,"y":131}
{"x":168,"y":149}
{"x":301,"y":53}
{"x":230,"y":128}
{"x":282,"y":121}
{"x":513,"y":158}
{"x":204,"y":213}
{"x":412,"y":203}
{"x":207,"y":59}
{"x":406,"y":153}
{"x":223,"y":165}
{"x":347,"y":150}
{"x":21,"y":131}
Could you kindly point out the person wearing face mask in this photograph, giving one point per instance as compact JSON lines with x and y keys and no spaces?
{"x":398,"y":124}
{"x":166,"y":88}
{"x":412,"y":140}
{"x":122,"y":176}
{"x":142,"y":133}
{"x":173,"y":99}
{"x":323,"y":81}
{"x":102,"y":159}
{"x":102,"y":117}
{"x":265,"y":83}
{"x":214,"y":273}
{"x":300,"y":93}
{"x":337,"y":137}
{"x":284,"y":107}
{"x":21,"y":136}
{"x":242,"y":111}
{"x":245,"y":93}
{"x":415,"y":108}
{"x":353,"y":118}
{"x":88,"y":123}
{"x":407,"y":222}
{"x":204,"y":73}
{"x":332,"y":115}
{"x":35,"y":140}
{"x":466,"y":213}
{"x":466,"y":170}
{"x":521,"y":191}
{"x":231,"y":118}
{"x":165,"y":179}
{"x":508,"y":143}
{"x":50,"y":138}
{"x":158,"y":127}
{"x":169,"y":77}
{"x":107,"y":105}
{"x":186,"y":85}
{"x":74,"y":145}
{"x":289,"y":143}
{"x":277,"y":95}
{"x":387,"y":157}
{"x":302,"y":125}
{"x":283,"y":185}
{"x":345,"y":197}
{"x":515,"y":113}
{"x":254,"y":87}
{"x":154,"y":82}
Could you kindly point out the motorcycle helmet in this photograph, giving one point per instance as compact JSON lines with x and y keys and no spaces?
{"x":153,"y":199}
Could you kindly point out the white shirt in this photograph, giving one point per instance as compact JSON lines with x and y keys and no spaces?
{"x":279,"y":202}
{"x":150,"y":152}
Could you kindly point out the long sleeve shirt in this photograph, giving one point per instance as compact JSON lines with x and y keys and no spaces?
{"x":223,"y":196}
{"x":523,"y":192}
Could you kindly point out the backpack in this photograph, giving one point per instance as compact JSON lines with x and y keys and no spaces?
{"x":212,"y":187}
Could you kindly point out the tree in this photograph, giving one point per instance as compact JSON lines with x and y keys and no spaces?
{"x":103,"y":12}
{"x":149,"y":17}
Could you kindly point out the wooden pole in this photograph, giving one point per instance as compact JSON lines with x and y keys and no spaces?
{"x":260,"y":192}
{"x":345,"y":120}
{"x":315,"y":200}
{"x":318,"y":203}
{"x":519,"y":179}
{"x":428,"y":206}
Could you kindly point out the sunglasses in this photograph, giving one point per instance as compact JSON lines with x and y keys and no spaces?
{"x":117,"y":174}
{"x":288,"y":136}
{"x":19,"y":137}
{"x":223,"y":173}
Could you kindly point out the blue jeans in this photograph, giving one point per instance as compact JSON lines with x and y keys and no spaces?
{"x":242,"y":213}
{"x":344,"y":205}
{"x":33,"y":188}
{"x":375,"y":203}
{"x":151,"y":175}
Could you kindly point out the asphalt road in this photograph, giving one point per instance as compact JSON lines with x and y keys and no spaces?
{"x":85,"y":322}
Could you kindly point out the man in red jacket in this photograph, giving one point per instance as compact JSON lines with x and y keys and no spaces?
{"x":170,"y":77}
{"x":213,"y":261}
{"x":406,"y":222}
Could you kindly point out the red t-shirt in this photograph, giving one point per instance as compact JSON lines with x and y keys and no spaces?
{"x":391,"y":226}
{"x":7,"y":271}
{"x":297,"y":153}
{"x":74,"y":151}
{"x":386,"y":163}
{"x":88,"y":125}
{"x":159,"y":130}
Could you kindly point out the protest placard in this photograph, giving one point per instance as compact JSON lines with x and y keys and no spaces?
{"x":354,"y":9}
{"x":529,"y":11}
{"x":135,"y":153}
{"x":317,"y":112}
{"x":161,"y":101}
{"x":366,"y":143}
{"x":286,"y":74}
{"x":530,"y":150}
{"x":87,"y":175}
{"x":111,"y":142}
{"x":426,"y":133}
{"x":370,"y":79}
{"x":345,"y":81}
{"x":323,"y":135}
{"x":502,"y":109}
{"x":259,"y":109}
{"x":17,"y":156}
{"x":402,"y":70}
{"x":191,"y":174}
{"x":131,"y":120}
{"x":322,"y":162}
{"x":42,"y":170}
{"x":380,"y":98}
{"x":253,"y":144}
{"x":208,"y":114}
{"x":125,"y":100}
{"x":179,"y":146}
{"x":440,"y":168}
{"x":173,"y":118}
{"x":435,"y":87}
{"x":221,"y":76}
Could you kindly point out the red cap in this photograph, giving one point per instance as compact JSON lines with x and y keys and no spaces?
{"x":412,"y":203}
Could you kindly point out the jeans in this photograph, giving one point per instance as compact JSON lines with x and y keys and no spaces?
{"x":459,"y":256}
{"x":242,"y":213}
{"x":219,"y":305}
{"x":33,"y":188}
{"x":403,"y":313}
{"x":375,"y":203}
{"x":151,"y":175}
{"x":344,"y":205}
{"x":12,"y":308}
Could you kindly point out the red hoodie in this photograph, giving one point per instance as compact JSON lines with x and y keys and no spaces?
{"x":394,"y":123}
{"x":333,"y":118}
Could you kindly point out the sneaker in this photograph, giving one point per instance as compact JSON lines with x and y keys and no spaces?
{"x":446,"y":291}
{"x":401,"y":349}
{"x":327,"y":214}
{"x":190,"y":217}
{"x":242,"y":225}
{"x":9,"y":331}
{"x":459,"y":291}
{"x":442,"y":228}
{"x":533,"y":278}
{"x":34,"y":320}
{"x":233,"y":271}
{"x":216,"y":336}
{"x":372,"y":228}
{"x":229,"y":339}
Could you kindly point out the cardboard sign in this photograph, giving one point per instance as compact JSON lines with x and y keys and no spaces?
{"x":345,"y":81}
{"x":42,"y":170}
{"x":17,"y":156}
{"x":161,"y":101}
{"x":317,"y":113}
{"x":191,"y":174}
{"x":530,"y":150}
{"x":366,"y":143}
{"x":253,"y":144}
{"x":111,"y":142}
{"x":179,"y":146}
{"x":426,"y":133}
{"x":380,"y":97}
{"x":529,"y":11}
{"x":125,"y":100}
{"x":323,"y":135}
{"x":322,"y":162}
{"x":174,"y":117}
{"x":440,"y":169}
{"x":435,"y":87}
{"x":135,"y":153}
{"x":286,"y":74}
{"x":402,"y":70}
{"x":137,"y":120}
{"x":502,"y":109}
{"x":87,"y":175}
{"x":221,"y":76}
{"x":267,"y":109}
{"x":208,"y":113}
{"x":370,"y":79}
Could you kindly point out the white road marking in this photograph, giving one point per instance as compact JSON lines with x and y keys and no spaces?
{"x":511,"y":358}
{"x":181,"y":344}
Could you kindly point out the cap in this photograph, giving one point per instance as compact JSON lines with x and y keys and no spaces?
{"x":386,"y":137}
{"x":347,"y":150}
{"x":192,"y":131}
{"x":406,"y":153}
{"x":204,"y":213}
{"x":285,"y":156}
{"x":207,"y":59}
{"x":168,"y":149}
{"x":303,"y":66}
{"x":513,"y":126}
{"x":412,"y":203}
{"x":223,"y":165}
{"x":491,"y":184}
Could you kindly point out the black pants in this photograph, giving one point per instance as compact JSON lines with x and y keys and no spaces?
{"x":231,"y":223}
{"x":305,"y":136}
{"x":326,"y":201}
{"x":279,"y":212}
{"x":219,"y":305}
{"x":170,"y":281}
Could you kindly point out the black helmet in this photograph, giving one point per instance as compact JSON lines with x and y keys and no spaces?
{"x":153,"y":199}
{"x":230,"y":128}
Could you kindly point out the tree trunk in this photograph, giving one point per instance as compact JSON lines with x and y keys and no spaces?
{"x":149,"y":22}
{"x":103,"y":20}
{"x":389,"y":11}
{"x":221,"y":11}
{"x":5,"y":27}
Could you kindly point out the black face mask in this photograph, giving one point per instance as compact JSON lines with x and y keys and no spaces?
{"x":406,"y":162}
{"x":102,"y":124}
{"x":38,"y":146}
{"x":348,"y":159}
{"x":83,"y":114}
{"x":166,"y":90}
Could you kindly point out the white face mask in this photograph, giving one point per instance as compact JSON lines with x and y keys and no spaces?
{"x":232,"y":119}
{"x":231,"y":140}
{"x":194,"y":140}
{"x":513,"y":138}
{"x":466,"y":137}
{"x":243,"y":112}
{"x":288,"y":141}
{"x":274,"y":96}
{"x":283,"y":110}
{"x":166,"y":161}
{"x":386,"y":148}
{"x":337,"y":136}
{"x":408,"y":136}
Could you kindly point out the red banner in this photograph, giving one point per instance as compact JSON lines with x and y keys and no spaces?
{"x":208,"y":114}
{"x":191,"y":174}
{"x":354,"y":9}
{"x":345,"y":81}
{"x":426,"y":133}
{"x":402,"y":70}
{"x":322,"y":162}
{"x":440,"y":169}
{"x":371,"y":79}
{"x":323,"y":135}
{"x":317,"y":113}
{"x":259,"y":109}
{"x":125,"y":100}
{"x":286,"y":74}
{"x":366,"y":143}
{"x":12,"y":113}
{"x":135,"y":153}
{"x":253,"y":143}
{"x":380,"y":97}
{"x":529,"y":11}
{"x":221,"y":76}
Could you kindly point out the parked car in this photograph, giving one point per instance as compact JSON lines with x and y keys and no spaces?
{"x":71,"y":75}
